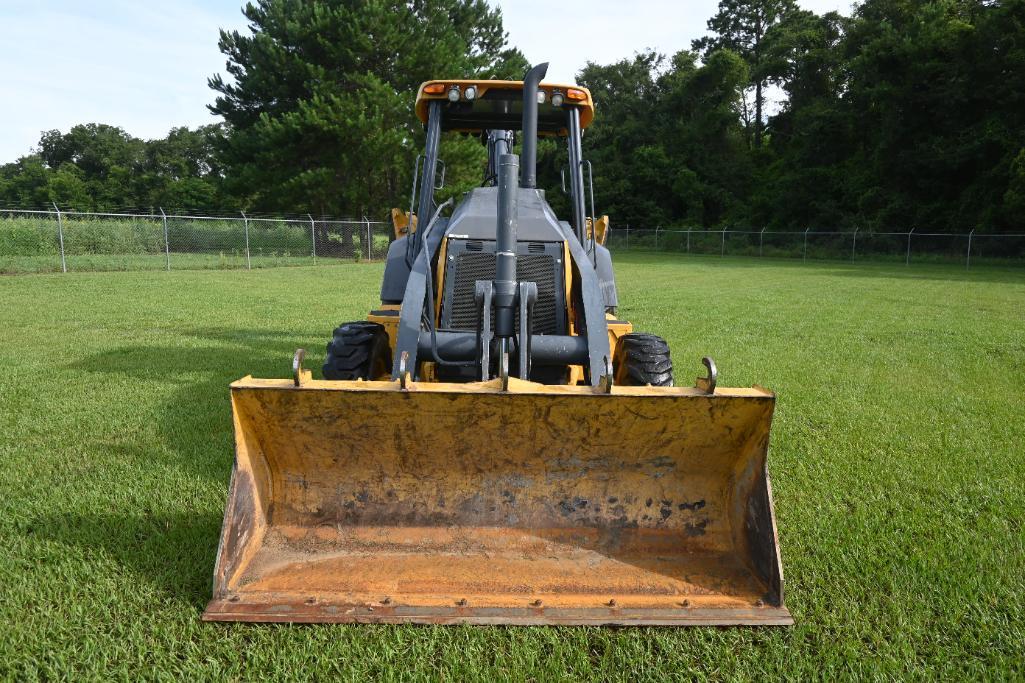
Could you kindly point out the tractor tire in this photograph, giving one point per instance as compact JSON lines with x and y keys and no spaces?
{"x":641,"y":359}
{"x":358,"y":350}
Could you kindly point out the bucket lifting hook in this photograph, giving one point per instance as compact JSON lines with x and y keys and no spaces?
{"x":299,"y":376}
{"x":707,"y":384}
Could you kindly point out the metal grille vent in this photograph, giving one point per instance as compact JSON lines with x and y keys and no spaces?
{"x":473,"y":266}
{"x":474,"y":245}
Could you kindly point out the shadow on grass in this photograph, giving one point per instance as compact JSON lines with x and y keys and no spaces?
{"x":174,"y":553}
{"x":195,"y":423}
{"x":177,"y":551}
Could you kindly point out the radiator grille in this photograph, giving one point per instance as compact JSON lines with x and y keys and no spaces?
{"x":473,"y":266}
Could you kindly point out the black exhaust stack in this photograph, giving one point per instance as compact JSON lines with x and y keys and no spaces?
{"x":528,"y":168}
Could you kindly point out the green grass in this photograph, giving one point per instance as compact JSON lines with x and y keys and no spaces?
{"x":897,"y":459}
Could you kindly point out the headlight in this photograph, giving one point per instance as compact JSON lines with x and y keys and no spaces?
{"x":557,"y":99}
{"x":470,"y":92}
{"x":453,"y":94}
{"x":541,"y":96}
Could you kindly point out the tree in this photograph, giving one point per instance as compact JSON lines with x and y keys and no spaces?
{"x":804,"y":55}
{"x":741,"y":26}
{"x":704,"y":141}
{"x":96,"y":166}
{"x":803,"y":179}
{"x":667,"y":144}
{"x":67,"y":187}
{"x":630,"y":169}
{"x":109,"y":159}
{"x":1014,"y":198}
{"x":905,"y":114}
{"x":24,"y":183}
{"x":182,"y":170}
{"x":320,"y":112}
{"x":936,"y":92}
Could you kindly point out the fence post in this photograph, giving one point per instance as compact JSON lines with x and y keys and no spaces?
{"x":688,"y":239}
{"x":722,"y":252}
{"x":907,"y":259}
{"x":249,"y":263}
{"x":367,"y":221}
{"x":657,"y":227}
{"x":313,"y":237}
{"x":167,"y":243}
{"x":60,"y":235}
{"x":627,"y":235}
{"x":761,"y":241}
{"x":968,"y":258}
{"x":805,"y":258}
{"x":854,"y":246}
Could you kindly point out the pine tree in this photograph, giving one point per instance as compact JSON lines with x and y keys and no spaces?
{"x":740,"y":26}
{"x":320,"y":111}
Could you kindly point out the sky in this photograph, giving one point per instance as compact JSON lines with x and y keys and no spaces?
{"x":143,"y":65}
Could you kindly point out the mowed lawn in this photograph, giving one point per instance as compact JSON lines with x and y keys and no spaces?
{"x":897,"y":457}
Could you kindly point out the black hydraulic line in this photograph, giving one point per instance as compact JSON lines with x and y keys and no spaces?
{"x":499,"y":142}
{"x":428,"y":317}
{"x":576,"y":175}
{"x":430,"y":169}
{"x":529,"y":151}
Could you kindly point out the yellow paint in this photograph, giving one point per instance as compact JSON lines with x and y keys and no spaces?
{"x":359,"y":491}
{"x":389,"y":322}
{"x":568,"y":284}
{"x":439,"y":278}
{"x":400,"y":222}
{"x":617,"y":328}
{"x":602,"y":229}
{"x":574,"y":373}
{"x":428,"y":371}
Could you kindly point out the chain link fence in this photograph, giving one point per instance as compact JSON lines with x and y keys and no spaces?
{"x":913,"y":246}
{"x":63,"y":241}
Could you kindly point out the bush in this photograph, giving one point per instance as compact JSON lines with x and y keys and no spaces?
{"x":28,"y":236}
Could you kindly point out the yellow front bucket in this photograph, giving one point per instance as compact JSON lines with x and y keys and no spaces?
{"x":463,"y":503}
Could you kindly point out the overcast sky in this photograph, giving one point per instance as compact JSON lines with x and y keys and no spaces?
{"x":143,"y":65}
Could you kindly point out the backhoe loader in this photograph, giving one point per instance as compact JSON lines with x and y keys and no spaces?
{"x":492,"y":445}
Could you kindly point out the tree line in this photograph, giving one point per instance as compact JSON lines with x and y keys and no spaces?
{"x":907,"y":113}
